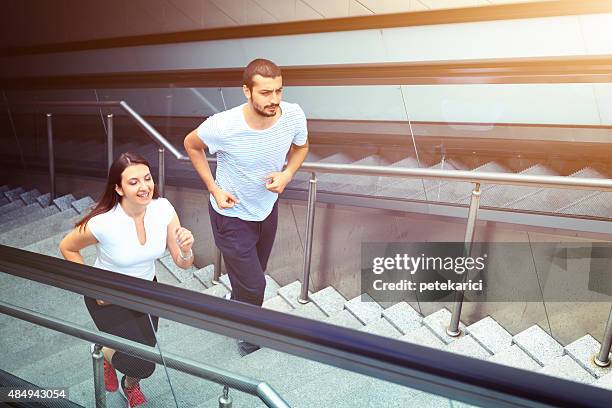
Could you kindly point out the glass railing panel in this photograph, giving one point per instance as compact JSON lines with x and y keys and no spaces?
{"x":49,"y":358}
{"x":39,"y":355}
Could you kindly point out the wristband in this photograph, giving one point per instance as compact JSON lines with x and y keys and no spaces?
{"x":188,"y":257}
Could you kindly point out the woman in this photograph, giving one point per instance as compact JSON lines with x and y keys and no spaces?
{"x":131,"y":227}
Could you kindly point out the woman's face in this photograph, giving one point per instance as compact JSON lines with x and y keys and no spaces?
{"x":136,"y":185}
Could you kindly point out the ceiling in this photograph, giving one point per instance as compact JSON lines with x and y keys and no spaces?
{"x":31,"y":23}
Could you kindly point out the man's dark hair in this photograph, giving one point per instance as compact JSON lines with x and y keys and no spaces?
{"x":259,"y":66}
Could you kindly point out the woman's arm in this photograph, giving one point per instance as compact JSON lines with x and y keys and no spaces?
{"x":180,"y":242}
{"x":76,"y":240}
{"x":71,"y":246}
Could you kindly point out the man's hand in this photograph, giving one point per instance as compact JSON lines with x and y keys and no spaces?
{"x":277,"y":181}
{"x":224,"y":199}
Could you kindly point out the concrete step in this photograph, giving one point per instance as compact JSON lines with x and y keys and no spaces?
{"x":345,"y":319}
{"x":503,"y":195}
{"x":29,"y":197}
{"x":403,"y":317}
{"x":13,"y":195}
{"x":583,"y":350}
{"x":192,"y":284}
{"x":460,"y":192}
{"x":50,"y":247}
{"x":29,"y":234}
{"x":382,"y":327}
{"x":597,"y":205}
{"x":291,"y":293}
{"x":423,"y":336}
{"x":539,"y":345}
{"x":44,"y":341}
{"x":272,"y":287}
{"x":565,"y":367}
{"x":196,"y":344}
{"x":309,"y":311}
{"x":604,"y":382}
{"x":514,"y":356}
{"x":163,"y":275}
{"x":553,"y":199}
{"x":277,"y":303}
{"x":83,"y":205}
{"x":279,"y":370}
{"x":467,"y":346}
{"x":26,"y":219}
{"x":205,"y":275}
{"x":64,"y":202}
{"x":329,"y":300}
{"x":493,"y":337}
{"x":11,"y":206}
{"x":216,"y":290}
{"x":44,"y":199}
{"x":182,"y":275}
{"x":438,"y":323}
{"x":61,"y":367}
{"x":19,"y":212}
{"x":364,"y":308}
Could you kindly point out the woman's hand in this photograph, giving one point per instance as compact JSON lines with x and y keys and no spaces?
{"x":184,"y":240}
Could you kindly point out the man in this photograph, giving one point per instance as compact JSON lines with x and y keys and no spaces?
{"x":252,"y":142}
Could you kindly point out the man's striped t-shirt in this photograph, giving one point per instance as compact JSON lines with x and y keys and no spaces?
{"x":245,"y":156}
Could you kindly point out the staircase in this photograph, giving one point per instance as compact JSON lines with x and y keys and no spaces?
{"x":31,"y":221}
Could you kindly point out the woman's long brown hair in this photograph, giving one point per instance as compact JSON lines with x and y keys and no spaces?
{"x":110,"y":198}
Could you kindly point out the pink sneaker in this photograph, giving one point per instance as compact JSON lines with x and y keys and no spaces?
{"x":133,"y":394}
{"x":110,"y":377}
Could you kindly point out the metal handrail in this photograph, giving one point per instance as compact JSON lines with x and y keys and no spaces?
{"x":258,"y":388}
{"x":477,"y":178}
{"x":449,"y":375}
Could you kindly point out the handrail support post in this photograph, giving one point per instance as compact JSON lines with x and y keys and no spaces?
{"x":51,"y":156}
{"x":312,"y":197}
{"x":453,"y":329}
{"x":162,"y":172}
{"x":109,"y":141}
{"x":98,"y":376}
{"x":603,"y":358}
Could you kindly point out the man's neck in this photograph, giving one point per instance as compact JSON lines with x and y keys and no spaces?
{"x":257,"y":121}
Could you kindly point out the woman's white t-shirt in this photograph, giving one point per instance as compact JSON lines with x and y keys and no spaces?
{"x":118,"y":248}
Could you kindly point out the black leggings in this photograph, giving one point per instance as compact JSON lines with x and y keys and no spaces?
{"x":131,"y":325}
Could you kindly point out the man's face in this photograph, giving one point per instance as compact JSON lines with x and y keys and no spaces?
{"x":266,"y":94}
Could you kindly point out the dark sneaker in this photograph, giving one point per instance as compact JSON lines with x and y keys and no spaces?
{"x":133,"y":394}
{"x":245,"y":348}
{"x":110,"y":377}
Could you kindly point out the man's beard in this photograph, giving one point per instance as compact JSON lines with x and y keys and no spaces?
{"x":261,"y":111}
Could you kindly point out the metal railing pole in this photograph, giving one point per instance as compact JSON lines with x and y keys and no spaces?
{"x":51,"y":156}
{"x":162,"y":172}
{"x":312,"y":198}
{"x":603,"y":358}
{"x":109,"y":141}
{"x":98,"y":376}
{"x":225,"y":401}
{"x":218,"y":264}
{"x":453,"y":329}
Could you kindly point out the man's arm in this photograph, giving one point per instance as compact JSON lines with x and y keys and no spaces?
{"x":295,"y":158}
{"x":195,"y":150}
